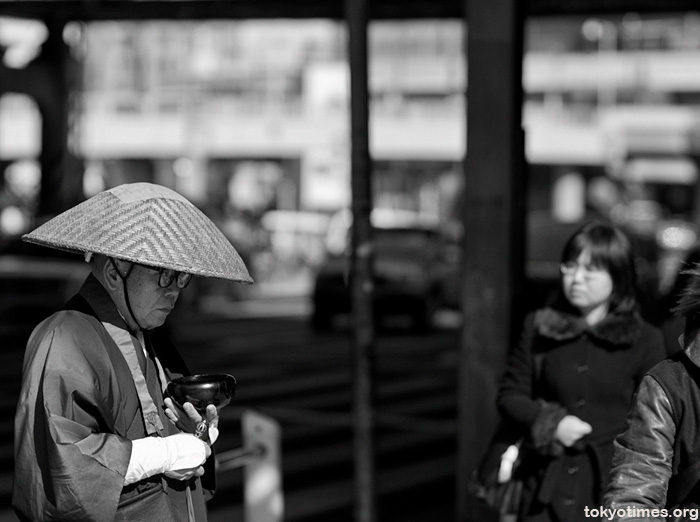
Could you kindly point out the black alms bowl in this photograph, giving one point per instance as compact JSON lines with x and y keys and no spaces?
{"x":203,"y":390}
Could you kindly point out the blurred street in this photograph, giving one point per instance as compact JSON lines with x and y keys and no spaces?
{"x":303,"y":380}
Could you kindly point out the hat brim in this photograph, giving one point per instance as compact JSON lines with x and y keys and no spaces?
{"x":151,"y":225}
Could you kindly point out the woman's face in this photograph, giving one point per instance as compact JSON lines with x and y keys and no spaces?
{"x":585,"y":287}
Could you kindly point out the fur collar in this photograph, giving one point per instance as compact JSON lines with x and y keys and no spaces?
{"x":615,"y":329}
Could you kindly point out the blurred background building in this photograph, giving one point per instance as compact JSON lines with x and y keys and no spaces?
{"x":249,"y":119}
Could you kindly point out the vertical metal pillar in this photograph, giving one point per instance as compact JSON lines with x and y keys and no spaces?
{"x":49,"y":79}
{"x":494,"y":224}
{"x":61,"y":172}
{"x":363,"y":335}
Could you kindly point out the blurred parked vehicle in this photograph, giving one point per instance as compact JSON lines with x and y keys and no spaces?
{"x":417,"y":265}
{"x":415,"y":269}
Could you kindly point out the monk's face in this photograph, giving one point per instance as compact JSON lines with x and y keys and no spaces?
{"x":152,"y":293}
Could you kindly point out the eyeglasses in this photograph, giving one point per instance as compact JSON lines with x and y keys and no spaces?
{"x":570,"y":268}
{"x":166,"y":276}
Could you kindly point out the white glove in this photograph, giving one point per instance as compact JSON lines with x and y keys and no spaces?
{"x":178,"y":456}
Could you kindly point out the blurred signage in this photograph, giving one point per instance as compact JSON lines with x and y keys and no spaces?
{"x":681,"y":171}
{"x":325,"y":178}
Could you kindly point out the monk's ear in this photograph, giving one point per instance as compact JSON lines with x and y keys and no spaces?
{"x":109,"y":273}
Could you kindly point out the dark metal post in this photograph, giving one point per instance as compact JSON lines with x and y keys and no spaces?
{"x":361,"y":264}
{"x":494,"y":225}
{"x":61,"y":172}
{"x":49,"y":79}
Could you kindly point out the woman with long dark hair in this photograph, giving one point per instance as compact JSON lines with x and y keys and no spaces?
{"x":570,"y":381}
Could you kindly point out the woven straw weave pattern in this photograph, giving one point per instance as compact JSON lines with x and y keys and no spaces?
{"x":159,"y":232}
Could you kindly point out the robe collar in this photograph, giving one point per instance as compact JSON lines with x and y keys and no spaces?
{"x":101,"y":303}
{"x":129,"y":345}
{"x":616,"y":329}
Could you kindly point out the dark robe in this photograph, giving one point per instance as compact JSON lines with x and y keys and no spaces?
{"x":77,"y":414}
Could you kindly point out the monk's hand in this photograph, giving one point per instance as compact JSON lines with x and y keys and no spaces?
{"x":189,"y":420}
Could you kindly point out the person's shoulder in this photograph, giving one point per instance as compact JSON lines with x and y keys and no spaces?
{"x":72,"y":320}
{"x":62,"y":343}
{"x":670,"y":368}
{"x":66,"y":327}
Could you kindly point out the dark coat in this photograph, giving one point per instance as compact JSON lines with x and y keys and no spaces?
{"x":655,"y":464}
{"x":589,"y":372}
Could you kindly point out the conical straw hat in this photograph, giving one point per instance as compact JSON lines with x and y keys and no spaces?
{"x":147,"y":224}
